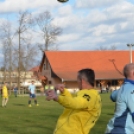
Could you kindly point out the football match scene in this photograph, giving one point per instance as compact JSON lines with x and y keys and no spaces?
{"x":66,"y":67}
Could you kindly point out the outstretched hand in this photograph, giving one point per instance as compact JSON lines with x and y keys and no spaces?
{"x":51,"y":95}
{"x":60,"y":87}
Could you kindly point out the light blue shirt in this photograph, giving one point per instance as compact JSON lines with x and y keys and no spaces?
{"x":32,"y":89}
{"x":123,"y":119}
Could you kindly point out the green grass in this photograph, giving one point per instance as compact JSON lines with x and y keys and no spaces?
{"x":18,"y":118}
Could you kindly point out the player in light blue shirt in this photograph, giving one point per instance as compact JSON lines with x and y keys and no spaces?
{"x":123,"y":119}
{"x":32,"y":94}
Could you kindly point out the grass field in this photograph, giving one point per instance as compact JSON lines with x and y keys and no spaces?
{"x":18,"y":118}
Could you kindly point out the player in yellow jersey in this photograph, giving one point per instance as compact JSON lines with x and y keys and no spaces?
{"x":4,"y":95}
{"x":81,"y":111}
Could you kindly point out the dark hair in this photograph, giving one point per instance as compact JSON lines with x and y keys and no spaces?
{"x":88,"y":75}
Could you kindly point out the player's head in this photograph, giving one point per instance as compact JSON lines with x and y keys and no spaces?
{"x":4,"y":83}
{"x":32,"y":82}
{"x":128,"y":71}
{"x":85,"y":78}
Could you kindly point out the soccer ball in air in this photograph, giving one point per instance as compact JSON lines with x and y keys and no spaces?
{"x":62,"y":1}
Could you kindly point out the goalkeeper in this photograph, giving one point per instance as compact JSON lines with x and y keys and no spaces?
{"x":82,"y":111}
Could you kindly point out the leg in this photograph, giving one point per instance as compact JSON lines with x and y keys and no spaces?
{"x":35,"y":101}
{"x":29,"y":102}
{"x":15,"y":93}
{"x":3,"y":102}
{"x":6,"y":100}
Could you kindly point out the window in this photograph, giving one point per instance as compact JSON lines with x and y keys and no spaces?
{"x":44,"y":66}
{"x":114,"y":83}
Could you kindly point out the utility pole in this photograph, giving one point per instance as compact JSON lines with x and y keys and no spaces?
{"x":130,"y":49}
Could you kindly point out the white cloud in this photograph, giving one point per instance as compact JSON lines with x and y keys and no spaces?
{"x":69,"y":37}
{"x":65,"y":10}
{"x":94,"y":3}
{"x":103,"y":30}
{"x":86,"y":23}
{"x":17,"y":5}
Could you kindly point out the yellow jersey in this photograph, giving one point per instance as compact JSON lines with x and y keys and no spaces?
{"x":4,"y":91}
{"x":80,"y":113}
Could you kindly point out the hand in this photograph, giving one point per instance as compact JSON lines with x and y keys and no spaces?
{"x":60,"y":87}
{"x":47,"y":97}
{"x":51,"y":95}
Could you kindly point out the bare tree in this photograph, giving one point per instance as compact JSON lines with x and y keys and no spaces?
{"x":113,"y":47}
{"x":29,"y":56}
{"x":22,"y":55}
{"x":105,"y":48}
{"x":5,"y":58}
{"x":48,"y":31}
{"x":102,"y":48}
{"x":24,"y":23}
{"x":6,"y":38}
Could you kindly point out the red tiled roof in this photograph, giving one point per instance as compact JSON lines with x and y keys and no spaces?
{"x":35,"y":69}
{"x":40,"y":77}
{"x":37,"y":73}
{"x":65,"y":64}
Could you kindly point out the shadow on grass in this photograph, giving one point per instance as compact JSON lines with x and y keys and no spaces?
{"x":19,"y":104}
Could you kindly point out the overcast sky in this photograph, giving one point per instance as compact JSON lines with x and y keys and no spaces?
{"x":87,"y":24}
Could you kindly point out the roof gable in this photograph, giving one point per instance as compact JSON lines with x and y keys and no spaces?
{"x":106,"y":64}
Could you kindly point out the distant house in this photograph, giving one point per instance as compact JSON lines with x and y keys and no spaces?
{"x":25,"y":78}
{"x":62,"y":66}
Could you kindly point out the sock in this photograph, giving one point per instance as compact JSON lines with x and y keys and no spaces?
{"x":35,"y":101}
{"x":29,"y":102}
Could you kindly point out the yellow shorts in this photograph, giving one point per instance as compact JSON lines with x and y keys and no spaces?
{"x":5,"y":96}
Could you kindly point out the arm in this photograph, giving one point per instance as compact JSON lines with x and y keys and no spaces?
{"x":29,"y":89}
{"x":63,"y":90}
{"x":35,"y":89}
{"x":113,"y":95}
{"x":79,"y":102}
{"x":52,"y":95}
{"x":82,"y":101}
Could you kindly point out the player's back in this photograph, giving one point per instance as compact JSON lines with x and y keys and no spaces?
{"x":122,"y":122}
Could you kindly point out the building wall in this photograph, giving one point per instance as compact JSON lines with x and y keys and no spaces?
{"x":56,"y":80}
{"x":46,"y":69}
{"x":71,"y":84}
{"x":25,"y":78}
{"x":47,"y":72}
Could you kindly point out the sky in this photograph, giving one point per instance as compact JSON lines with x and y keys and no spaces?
{"x":86,"y":24}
